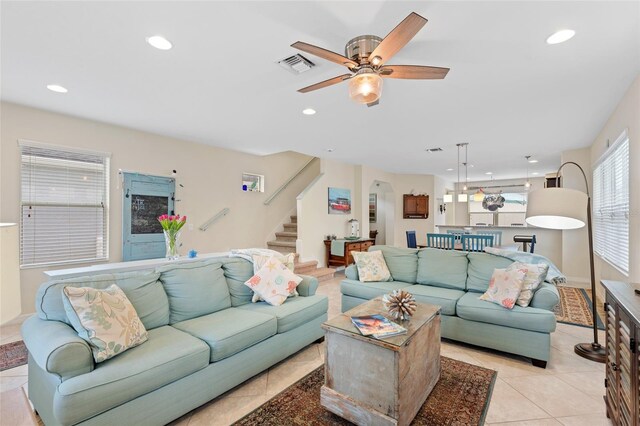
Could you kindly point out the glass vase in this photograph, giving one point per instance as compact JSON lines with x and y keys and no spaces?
{"x":172,"y":243}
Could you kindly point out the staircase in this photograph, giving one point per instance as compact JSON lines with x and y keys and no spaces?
{"x":285,"y":243}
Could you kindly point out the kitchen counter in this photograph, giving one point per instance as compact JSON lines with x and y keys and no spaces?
{"x":549,"y":241}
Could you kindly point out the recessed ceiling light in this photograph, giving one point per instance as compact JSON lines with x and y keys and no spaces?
{"x":535,"y":174}
{"x":308,"y":111}
{"x":330,"y":149}
{"x":489,"y":173}
{"x":159,"y":42}
{"x":57,"y":88}
{"x":532,"y":161}
{"x":449,"y":170}
{"x":560,"y":36}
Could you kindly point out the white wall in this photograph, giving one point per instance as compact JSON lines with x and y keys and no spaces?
{"x":420,"y":184}
{"x":211,"y":178}
{"x":625,"y":116}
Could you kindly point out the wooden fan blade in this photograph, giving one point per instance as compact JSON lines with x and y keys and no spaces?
{"x":413,"y":72}
{"x":326,"y":83}
{"x":397,"y":38}
{"x":324,"y":54}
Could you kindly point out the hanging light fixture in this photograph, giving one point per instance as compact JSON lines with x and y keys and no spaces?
{"x":462,"y":196}
{"x":479,"y":195}
{"x":527,"y":184}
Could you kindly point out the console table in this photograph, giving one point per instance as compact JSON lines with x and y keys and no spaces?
{"x":622,"y":382}
{"x":349,"y":247}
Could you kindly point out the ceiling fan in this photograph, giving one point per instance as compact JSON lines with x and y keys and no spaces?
{"x":366,"y":55}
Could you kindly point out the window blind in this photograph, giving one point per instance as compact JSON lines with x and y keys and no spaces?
{"x":611,"y":205}
{"x":64,"y":205}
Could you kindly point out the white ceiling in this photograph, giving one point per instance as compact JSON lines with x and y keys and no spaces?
{"x":508,"y":93}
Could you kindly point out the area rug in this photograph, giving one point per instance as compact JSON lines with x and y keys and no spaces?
{"x":575,"y":307}
{"x":461,"y":397}
{"x":12,"y":355}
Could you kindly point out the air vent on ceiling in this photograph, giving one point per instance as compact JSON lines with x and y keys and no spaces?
{"x":433,"y":149}
{"x":297,"y":64}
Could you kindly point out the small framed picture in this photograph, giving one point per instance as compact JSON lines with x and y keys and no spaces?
{"x":339,"y":201}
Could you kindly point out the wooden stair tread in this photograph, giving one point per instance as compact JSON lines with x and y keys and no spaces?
{"x":277,"y":243}
{"x":286,"y":234}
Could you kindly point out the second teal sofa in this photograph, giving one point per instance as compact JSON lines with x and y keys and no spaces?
{"x":454,"y":280}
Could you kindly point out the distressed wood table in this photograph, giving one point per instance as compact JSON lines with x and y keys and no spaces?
{"x":371,"y":381}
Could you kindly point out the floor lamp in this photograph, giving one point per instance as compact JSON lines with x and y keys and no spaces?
{"x":563,"y":208}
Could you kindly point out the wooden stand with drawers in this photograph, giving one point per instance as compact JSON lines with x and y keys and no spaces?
{"x":349,"y":247}
{"x":622,"y":382}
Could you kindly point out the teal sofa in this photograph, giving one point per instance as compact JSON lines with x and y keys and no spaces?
{"x":205,"y":337}
{"x":454,"y":280}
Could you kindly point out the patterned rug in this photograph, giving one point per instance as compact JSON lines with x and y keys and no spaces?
{"x":575,"y":307}
{"x":13,"y":355}
{"x":461,"y":397}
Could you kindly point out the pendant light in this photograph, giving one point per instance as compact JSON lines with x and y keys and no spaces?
{"x":527,"y":184}
{"x":462,"y":196}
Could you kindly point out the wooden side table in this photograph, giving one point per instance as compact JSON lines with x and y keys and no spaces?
{"x":380,"y":382}
{"x":349,"y":247}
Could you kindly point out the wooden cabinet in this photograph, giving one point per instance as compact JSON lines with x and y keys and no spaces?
{"x":349,"y":247}
{"x":415,"y":206}
{"x":622,"y":380}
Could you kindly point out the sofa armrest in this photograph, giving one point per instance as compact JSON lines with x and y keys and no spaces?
{"x":351,"y":272}
{"x":307,"y":286}
{"x":56,"y":347}
{"x":545,"y":297}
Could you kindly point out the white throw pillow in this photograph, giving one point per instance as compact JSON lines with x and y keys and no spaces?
{"x":536,"y":274}
{"x":274,"y":282}
{"x":287,"y":260}
{"x":504,"y":287}
{"x":371,"y":266}
{"x":104,"y":318}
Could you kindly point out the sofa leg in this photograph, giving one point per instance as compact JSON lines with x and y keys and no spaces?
{"x":320,"y":340}
{"x":539,"y":363}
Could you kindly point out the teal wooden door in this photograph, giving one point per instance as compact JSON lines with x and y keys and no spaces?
{"x":144,"y":199}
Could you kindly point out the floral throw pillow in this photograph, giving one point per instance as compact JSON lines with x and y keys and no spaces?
{"x":371,"y":266}
{"x":104,"y":318}
{"x":504,"y":287}
{"x":274,"y":282}
{"x":287,"y":260}
{"x":536,"y":274}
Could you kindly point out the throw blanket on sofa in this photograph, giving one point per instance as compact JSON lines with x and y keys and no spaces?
{"x":554,"y":276}
{"x":248,"y":254}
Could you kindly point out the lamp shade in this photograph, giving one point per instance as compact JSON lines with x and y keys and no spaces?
{"x":557,"y":208}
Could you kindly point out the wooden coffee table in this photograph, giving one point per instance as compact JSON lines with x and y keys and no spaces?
{"x":371,"y":381}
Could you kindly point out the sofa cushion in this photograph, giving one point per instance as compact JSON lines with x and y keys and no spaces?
{"x":143,"y":290}
{"x":294,"y":312}
{"x":471,"y":308}
{"x":442,"y":268}
{"x":370,"y":290}
{"x":481,"y":266}
{"x":402,"y":262}
{"x":446,"y":298}
{"x":195,"y":289}
{"x":106,"y":319}
{"x":167,"y":356}
{"x":371,"y":266}
{"x":273,"y":283}
{"x":505,"y":287}
{"x":238,"y":270}
{"x":231,"y":330}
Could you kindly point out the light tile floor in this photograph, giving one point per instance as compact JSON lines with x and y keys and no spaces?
{"x":568,"y":392}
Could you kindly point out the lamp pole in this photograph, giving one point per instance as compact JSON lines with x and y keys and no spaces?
{"x":594,"y":350}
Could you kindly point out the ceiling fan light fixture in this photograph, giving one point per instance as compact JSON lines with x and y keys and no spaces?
{"x":376,"y":60}
{"x":365,"y":87}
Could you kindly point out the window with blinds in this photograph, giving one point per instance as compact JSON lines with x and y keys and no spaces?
{"x":64,"y":205}
{"x":611,"y":205}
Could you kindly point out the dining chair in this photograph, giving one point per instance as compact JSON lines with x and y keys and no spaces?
{"x":456,"y":233}
{"x":411,"y":239}
{"x":476,"y":242}
{"x":441,"y":241}
{"x":497,"y":236}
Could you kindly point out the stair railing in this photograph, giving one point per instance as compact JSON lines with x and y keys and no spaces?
{"x":288,"y":181}
{"x":217,"y":216}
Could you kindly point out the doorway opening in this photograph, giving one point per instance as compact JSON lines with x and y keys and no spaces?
{"x":382,"y":212}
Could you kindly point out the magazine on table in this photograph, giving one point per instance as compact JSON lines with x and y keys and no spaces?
{"x":377,"y":326}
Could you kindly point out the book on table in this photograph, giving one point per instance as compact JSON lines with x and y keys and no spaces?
{"x":377,"y":326}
